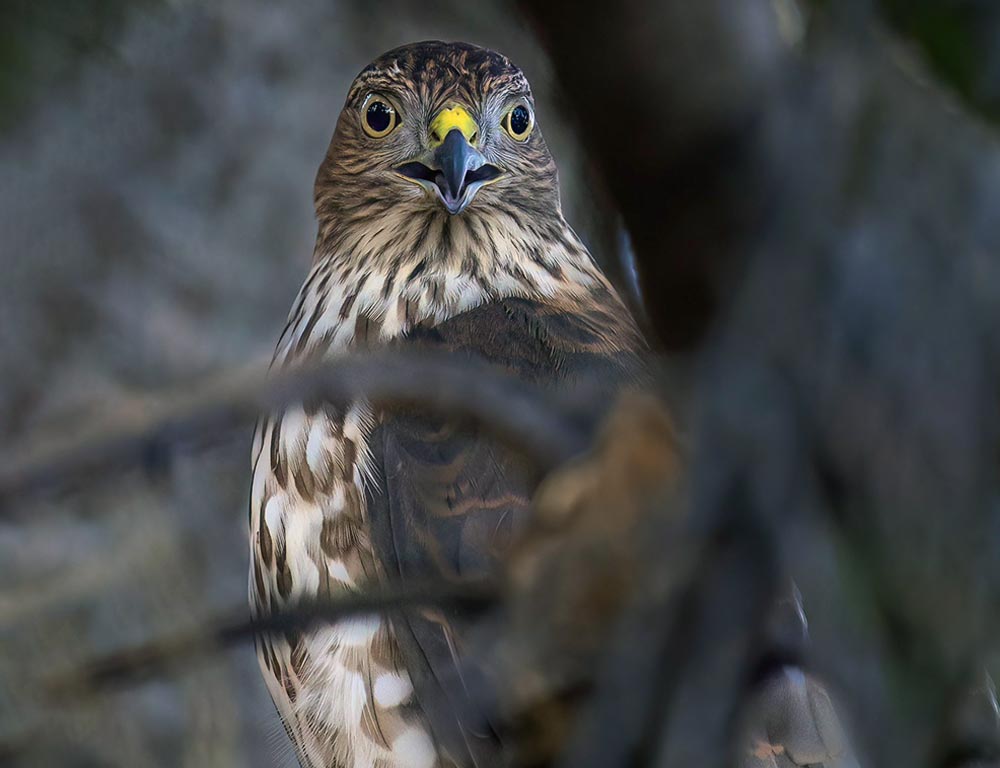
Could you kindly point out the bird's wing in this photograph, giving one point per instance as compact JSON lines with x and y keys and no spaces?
{"x":449,"y":499}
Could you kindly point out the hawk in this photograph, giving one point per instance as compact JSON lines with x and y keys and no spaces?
{"x":439,"y":225}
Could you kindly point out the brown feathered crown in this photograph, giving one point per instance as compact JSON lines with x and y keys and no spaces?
{"x":434,"y":129}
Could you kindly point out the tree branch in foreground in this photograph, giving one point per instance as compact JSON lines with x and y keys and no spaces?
{"x":526,"y":416}
{"x":141,"y":662}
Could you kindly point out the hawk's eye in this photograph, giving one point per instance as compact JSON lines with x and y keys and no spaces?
{"x":519,"y":122}
{"x":379,"y":118}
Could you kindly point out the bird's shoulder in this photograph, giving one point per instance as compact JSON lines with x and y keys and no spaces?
{"x":542,"y":339}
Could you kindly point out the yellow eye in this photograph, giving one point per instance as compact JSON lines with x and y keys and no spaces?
{"x":379,"y":118}
{"x":519,"y":122}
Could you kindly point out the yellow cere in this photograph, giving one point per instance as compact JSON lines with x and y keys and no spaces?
{"x":449,"y":119}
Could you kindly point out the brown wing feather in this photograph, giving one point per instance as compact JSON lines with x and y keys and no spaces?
{"x":450,"y":499}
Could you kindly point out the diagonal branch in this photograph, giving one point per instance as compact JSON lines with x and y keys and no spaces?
{"x":532,"y":419}
{"x":141,"y":662}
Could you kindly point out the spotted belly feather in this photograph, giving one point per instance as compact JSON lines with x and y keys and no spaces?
{"x":342,"y":691}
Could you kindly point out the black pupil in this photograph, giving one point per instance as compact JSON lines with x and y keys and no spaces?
{"x":519,"y":121}
{"x":379,"y":116}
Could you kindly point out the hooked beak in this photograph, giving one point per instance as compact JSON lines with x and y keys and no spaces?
{"x":454,"y":171}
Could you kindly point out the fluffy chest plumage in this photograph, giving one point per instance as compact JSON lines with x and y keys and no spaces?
{"x":343,"y":693}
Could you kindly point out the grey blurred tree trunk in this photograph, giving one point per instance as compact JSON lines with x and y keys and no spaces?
{"x":815,"y":222}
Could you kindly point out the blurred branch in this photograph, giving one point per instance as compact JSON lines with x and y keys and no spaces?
{"x":675,"y":676}
{"x":527,"y":416}
{"x":135,"y":664}
{"x":830,"y":219}
{"x":669,"y":97}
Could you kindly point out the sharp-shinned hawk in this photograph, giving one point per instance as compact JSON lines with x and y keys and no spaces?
{"x":440,"y":226}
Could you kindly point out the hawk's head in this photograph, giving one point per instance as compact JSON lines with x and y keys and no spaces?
{"x":437,"y":130}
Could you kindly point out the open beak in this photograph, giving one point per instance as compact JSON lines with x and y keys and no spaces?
{"x":453,"y":170}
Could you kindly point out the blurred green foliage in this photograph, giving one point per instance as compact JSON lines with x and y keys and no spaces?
{"x":960,"y":41}
{"x":43,"y":41}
